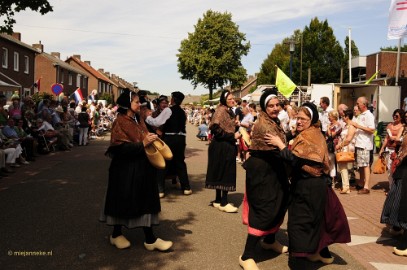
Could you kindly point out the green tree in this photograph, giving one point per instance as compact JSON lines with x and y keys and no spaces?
{"x":9,"y":8}
{"x":321,"y":52}
{"x":279,"y":56}
{"x":211,"y":56}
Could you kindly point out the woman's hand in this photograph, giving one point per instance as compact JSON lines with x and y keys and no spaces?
{"x":149,"y":139}
{"x":237,"y":135}
{"x":274,"y":140}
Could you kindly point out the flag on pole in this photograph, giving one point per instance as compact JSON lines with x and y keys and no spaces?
{"x":78,"y":95}
{"x":284,"y":84}
{"x":37,"y":85}
{"x":397,"y":19}
{"x":372,"y":78}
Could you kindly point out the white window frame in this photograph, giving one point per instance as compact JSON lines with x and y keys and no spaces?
{"x":4,"y":60}
{"x":69,"y":78}
{"x":16,"y":61}
{"x":26,"y":64}
{"x":78,"y":80}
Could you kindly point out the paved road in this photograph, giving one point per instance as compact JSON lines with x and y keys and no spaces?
{"x":52,"y":206}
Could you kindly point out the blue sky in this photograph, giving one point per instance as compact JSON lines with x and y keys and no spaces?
{"x":139,"y":41}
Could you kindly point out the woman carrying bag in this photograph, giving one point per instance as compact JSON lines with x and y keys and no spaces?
{"x":346,"y":144}
{"x":394,"y":211}
{"x":132,"y":194}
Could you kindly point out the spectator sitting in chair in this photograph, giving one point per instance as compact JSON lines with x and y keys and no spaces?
{"x":203,"y":131}
{"x":61,"y":126}
{"x":47,"y":131}
{"x":27,"y":143}
{"x":13,"y":151}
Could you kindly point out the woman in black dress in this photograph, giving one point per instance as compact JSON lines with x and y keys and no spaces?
{"x":395,"y":207}
{"x":266,"y":196}
{"x":132,"y":194}
{"x":316,"y":217}
{"x":221,"y":172}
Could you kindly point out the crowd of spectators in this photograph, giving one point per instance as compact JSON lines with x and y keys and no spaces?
{"x":30,"y":127}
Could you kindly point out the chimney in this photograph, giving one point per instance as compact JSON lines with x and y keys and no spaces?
{"x":88,"y":63}
{"x":78,"y":56}
{"x":39,"y":47}
{"x":16,"y":35}
{"x":56,"y":55}
{"x":107,"y":74}
{"x":101,"y":70}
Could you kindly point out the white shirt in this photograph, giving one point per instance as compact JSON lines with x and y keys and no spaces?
{"x":364,"y":139}
{"x":323,"y":117}
{"x":284,"y":119}
{"x":46,"y":126}
{"x":160,"y":119}
{"x":405,"y":104}
{"x":248,"y":120}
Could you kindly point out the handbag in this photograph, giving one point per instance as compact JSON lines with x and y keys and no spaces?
{"x":345,"y":156}
{"x":380,"y":166}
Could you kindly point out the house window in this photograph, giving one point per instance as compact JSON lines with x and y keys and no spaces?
{"x":78,"y":80}
{"x":26,"y":64}
{"x":70,"y":79}
{"x":4,"y":59}
{"x":16,"y":61}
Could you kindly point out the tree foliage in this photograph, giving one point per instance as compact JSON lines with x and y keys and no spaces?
{"x":9,"y":8}
{"x":211,"y":55}
{"x":279,"y":56}
{"x":322,"y":53}
{"x":394,"y":49}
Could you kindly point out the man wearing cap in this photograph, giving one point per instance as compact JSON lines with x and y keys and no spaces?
{"x":173,"y":119}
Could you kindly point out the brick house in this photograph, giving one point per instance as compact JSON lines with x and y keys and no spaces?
{"x":386,"y":62}
{"x":17,"y":71}
{"x":50,"y":69}
{"x":119,"y":84}
{"x":96,"y":79}
{"x":250,"y":83}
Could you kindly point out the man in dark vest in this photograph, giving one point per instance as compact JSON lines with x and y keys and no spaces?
{"x":173,"y":120}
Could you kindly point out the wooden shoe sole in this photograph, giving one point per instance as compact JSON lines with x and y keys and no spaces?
{"x":159,"y":244}
{"x":163,"y":148}
{"x":248,"y":264}
{"x":120,"y":242}
{"x":155,"y":157}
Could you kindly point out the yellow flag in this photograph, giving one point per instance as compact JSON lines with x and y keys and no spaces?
{"x":284,"y":84}
{"x":371,"y":78}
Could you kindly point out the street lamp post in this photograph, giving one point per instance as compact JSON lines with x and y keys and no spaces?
{"x":292,"y":48}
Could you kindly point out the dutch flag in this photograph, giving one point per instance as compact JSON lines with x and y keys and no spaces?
{"x":78,"y":95}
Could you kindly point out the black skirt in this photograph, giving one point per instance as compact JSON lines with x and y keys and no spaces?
{"x":221,"y":172}
{"x":266,"y":191}
{"x":132,"y":188}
